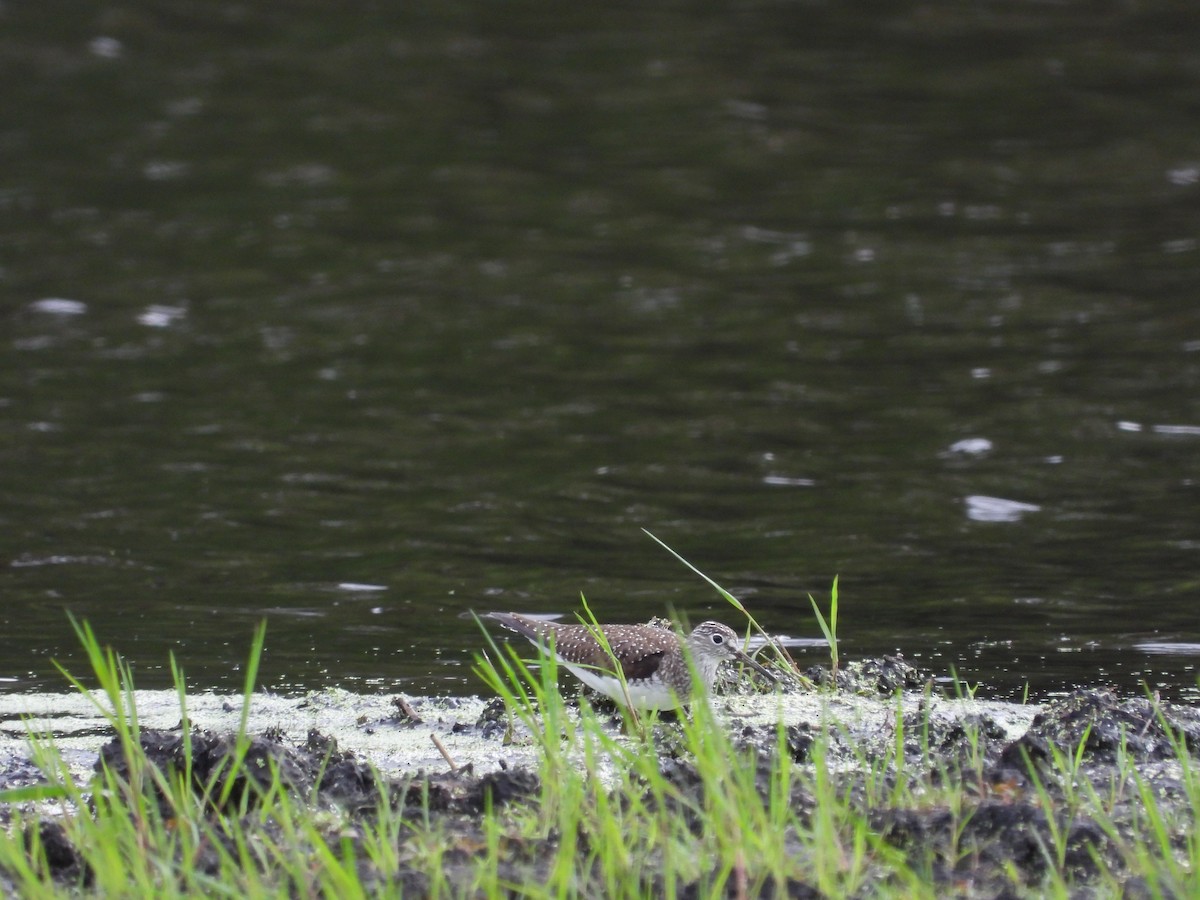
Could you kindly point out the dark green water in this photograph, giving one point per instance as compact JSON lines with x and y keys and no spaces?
{"x":451,"y":300}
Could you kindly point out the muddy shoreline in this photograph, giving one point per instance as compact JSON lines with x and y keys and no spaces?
{"x":345,"y":751}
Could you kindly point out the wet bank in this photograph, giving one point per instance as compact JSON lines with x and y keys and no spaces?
{"x":447,"y":766}
{"x":399,"y":734}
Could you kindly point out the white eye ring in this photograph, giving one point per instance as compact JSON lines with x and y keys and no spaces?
{"x":718,"y":638}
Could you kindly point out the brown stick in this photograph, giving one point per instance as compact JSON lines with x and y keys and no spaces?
{"x":445,"y":753}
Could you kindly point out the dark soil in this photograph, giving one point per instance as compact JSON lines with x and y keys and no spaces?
{"x":1015,"y":802}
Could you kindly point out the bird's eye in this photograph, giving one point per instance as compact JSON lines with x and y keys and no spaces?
{"x":718,"y":638}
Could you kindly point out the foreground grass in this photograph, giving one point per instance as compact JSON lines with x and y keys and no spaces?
{"x":663,"y":811}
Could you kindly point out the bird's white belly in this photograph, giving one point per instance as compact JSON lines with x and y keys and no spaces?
{"x":645,"y":694}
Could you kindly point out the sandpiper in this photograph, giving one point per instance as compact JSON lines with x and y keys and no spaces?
{"x":652,"y":659}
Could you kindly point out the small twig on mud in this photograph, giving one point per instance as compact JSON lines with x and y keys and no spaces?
{"x":445,"y":753}
{"x":1150,"y":719}
{"x":406,"y":708}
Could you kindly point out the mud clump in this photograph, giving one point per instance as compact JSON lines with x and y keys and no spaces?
{"x":879,"y":677}
{"x":463,"y":794}
{"x":49,"y":841}
{"x":1024,"y":803}
{"x":315,"y":771}
{"x":314,"y":767}
{"x":997,"y":837}
{"x":1108,"y":726}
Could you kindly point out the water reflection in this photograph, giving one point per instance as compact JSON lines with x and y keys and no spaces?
{"x":1168,"y":648}
{"x":997,"y":509}
{"x":58,"y":306}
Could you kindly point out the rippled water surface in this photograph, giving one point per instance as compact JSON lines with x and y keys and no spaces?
{"x":358,"y":318}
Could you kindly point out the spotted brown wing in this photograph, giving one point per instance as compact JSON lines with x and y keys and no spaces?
{"x":639,"y":648}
